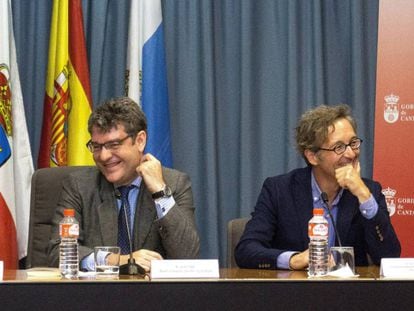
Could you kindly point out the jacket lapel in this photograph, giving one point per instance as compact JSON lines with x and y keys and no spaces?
{"x":145,"y":216}
{"x":303,"y":202}
{"x":345,"y":214}
{"x":108,"y":214}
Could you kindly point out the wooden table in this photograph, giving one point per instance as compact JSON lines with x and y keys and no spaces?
{"x":236,"y":289}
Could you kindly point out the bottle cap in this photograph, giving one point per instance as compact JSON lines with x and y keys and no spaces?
{"x":318,"y":211}
{"x":69,"y":212}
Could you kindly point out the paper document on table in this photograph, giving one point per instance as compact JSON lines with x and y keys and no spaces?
{"x":43,"y":272}
{"x":397,"y":268}
{"x":343,"y":272}
{"x":184,"y":269}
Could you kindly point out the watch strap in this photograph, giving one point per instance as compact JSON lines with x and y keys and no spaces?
{"x":166,"y":192}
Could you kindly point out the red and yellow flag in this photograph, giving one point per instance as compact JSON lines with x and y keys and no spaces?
{"x":67,"y":103}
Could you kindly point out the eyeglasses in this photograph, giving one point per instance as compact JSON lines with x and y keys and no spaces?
{"x":112,"y":145}
{"x":341,"y":147}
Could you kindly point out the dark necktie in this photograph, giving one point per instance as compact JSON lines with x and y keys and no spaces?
{"x":124,"y":217}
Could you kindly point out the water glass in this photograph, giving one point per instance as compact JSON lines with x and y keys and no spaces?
{"x":107,"y":261}
{"x":342,"y":260}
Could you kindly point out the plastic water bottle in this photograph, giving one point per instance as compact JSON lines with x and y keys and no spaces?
{"x":318,"y":245}
{"x":68,"y":249}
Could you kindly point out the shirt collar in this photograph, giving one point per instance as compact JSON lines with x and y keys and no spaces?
{"x":137,"y":182}
{"x":316,"y":193}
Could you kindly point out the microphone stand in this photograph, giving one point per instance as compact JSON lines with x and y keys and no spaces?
{"x":325,"y":200}
{"x":130,"y":268}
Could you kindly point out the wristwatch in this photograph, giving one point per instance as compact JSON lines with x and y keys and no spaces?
{"x":164,"y":193}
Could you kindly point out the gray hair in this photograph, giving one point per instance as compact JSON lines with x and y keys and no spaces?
{"x":312,"y":129}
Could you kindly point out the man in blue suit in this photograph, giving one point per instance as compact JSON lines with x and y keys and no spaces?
{"x":276,"y":237}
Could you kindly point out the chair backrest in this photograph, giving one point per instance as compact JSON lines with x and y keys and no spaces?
{"x":235,"y":229}
{"x":45,"y":193}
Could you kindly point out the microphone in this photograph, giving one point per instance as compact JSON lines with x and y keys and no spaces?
{"x":118,"y":194}
{"x":325,"y":200}
{"x":130,"y":268}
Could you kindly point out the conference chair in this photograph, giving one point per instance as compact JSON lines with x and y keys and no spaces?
{"x":235,"y":229}
{"x":45,"y":193}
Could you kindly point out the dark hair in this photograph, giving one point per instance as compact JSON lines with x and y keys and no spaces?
{"x":312,"y":129}
{"x":118,"y":111}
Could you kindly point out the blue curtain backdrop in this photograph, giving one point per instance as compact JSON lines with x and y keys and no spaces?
{"x":240,"y":74}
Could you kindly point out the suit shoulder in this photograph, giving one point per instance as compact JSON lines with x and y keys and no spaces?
{"x":298,"y":174}
{"x":87,"y":174}
{"x":172,"y":173}
{"x":84,"y":170}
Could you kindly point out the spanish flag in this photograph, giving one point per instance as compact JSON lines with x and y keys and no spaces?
{"x":67,"y":103}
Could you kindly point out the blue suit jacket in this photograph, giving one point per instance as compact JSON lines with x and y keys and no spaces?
{"x":280,"y":222}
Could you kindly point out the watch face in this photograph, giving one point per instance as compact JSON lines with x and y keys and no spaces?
{"x":167,"y":191}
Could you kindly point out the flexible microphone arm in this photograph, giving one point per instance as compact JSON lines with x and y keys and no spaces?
{"x":325,"y":200}
{"x":130,"y":268}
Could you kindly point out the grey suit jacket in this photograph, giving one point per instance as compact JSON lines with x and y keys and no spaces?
{"x":93,"y":198}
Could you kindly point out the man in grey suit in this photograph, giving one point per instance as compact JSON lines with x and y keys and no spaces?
{"x":161,"y":211}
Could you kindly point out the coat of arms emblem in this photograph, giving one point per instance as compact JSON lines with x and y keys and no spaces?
{"x":390,"y":199}
{"x":391,"y":112}
{"x":5,"y":114}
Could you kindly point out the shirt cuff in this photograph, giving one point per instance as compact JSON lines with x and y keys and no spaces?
{"x":369,"y":208}
{"x":283,"y":260}
{"x":163,"y":205}
{"x":88,"y":262}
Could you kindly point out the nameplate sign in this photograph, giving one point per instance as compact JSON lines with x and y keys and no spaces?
{"x":1,"y":270}
{"x":185,"y":269}
{"x":397,"y":268}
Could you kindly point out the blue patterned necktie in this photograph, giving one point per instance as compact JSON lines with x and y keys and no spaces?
{"x":123,"y":240}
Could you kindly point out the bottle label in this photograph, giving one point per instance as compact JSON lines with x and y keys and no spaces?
{"x":318,"y":230}
{"x":69,"y":230}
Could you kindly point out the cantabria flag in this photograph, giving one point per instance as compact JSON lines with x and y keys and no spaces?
{"x":146,"y":81}
{"x":16,"y":164}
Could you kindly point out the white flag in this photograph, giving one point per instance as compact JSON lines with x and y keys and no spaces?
{"x":147,"y":74}
{"x":16,"y":164}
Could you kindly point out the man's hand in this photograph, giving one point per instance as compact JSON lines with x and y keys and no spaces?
{"x":151,"y":172}
{"x":142,"y":257}
{"x":299,"y":261}
{"x":112,"y":259}
{"x":349,"y":177}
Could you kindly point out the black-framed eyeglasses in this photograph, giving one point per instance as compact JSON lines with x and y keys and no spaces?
{"x":341,"y":147}
{"x":112,"y":145}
